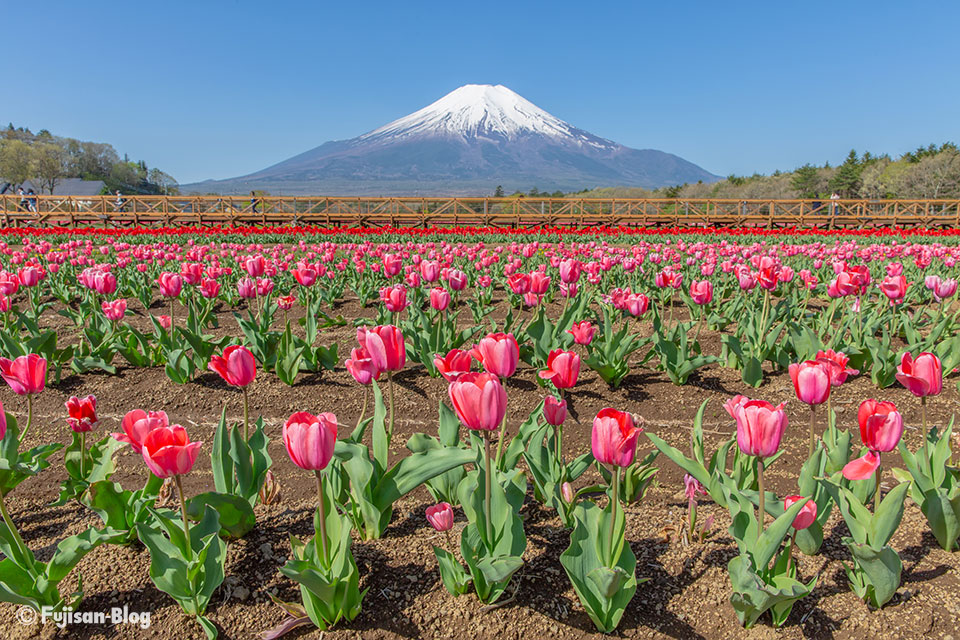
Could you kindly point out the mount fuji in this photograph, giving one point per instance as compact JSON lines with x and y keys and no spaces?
{"x":466,"y":143}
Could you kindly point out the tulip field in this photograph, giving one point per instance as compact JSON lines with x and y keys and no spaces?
{"x":494,"y":433}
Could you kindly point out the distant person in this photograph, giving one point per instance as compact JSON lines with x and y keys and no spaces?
{"x":32,"y":200}
{"x":23,"y":199}
{"x":253,"y":202}
{"x":120,"y":202}
{"x":833,"y":203}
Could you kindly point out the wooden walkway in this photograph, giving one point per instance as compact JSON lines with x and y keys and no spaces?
{"x":516,"y":212}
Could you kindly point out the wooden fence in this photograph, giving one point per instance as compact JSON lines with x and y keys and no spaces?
{"x":109,"y":211}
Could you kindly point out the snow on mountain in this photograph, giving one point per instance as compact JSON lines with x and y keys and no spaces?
{"x":466,"y":143}
{"x":482,"y":110}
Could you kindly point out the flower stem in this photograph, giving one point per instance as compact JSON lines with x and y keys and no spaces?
{"x":614,"y":505}
{"x":813,"y":420}
{"x":183,"y":514}
{"x":23,"y":434}
{"x":390,"y":385}
{"x":876,"y":493}
{"x":761,"y":510}
{"x":503,"y":430}
{"x":323,"y":517}
{"x":246,"y":415}
{"x":83,"y":451}
{"x":486,"y":492}
{"x":793,"y":538}
{"x":363,"y":410}
{"x":10,"y":526}
{"x":172,"y":323}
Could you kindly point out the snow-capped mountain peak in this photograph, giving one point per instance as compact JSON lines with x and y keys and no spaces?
{"x":482,"y":110}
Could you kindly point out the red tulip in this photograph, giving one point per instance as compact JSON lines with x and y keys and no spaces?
{"x":26,"y":375}
{"x":440,"y":516}
{"x":385,"y":345}
{"x":760,"y":427}
{"x":305,"y":276}
{"x":614,"y":439}
{"x":836,"y":363}
{"x":499,"y":354}
{"x":310,"y":439}
{"x":554,"y":411}
{"x":209,"y":288}
{"x":811,"y":381}
{"x":563,"y":368}
{"x":479,"y":400}
{"x":137,"y":424}
{"x":895,"y":288}
{"x":582,"y":332}
{"x":456,"y":363}
{"x":169,"y":452}
{"x":923,"y":376}
{"x":82,"y":413}
{"x":808,"y":512}
{"x":362,"y":367}
{"x":236,"y":366}
{"x":881,"y":427}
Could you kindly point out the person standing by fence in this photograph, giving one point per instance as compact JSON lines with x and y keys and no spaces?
{"x":253,"y":201}
{"x":833,"y":203}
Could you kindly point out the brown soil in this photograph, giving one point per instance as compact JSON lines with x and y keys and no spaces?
{"x":687,"y":592}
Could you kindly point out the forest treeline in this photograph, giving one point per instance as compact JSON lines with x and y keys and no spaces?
{"x":45,"y":160}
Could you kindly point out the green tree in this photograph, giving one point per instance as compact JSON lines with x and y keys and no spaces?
{"x":805,"y":181}
{"x":846,"y":181}
{"x":50,"y":165}
{"x":498,"y":193}
{"x":16,"y":161}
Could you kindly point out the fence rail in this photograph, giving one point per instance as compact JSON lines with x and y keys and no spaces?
{"x":108,"y":211}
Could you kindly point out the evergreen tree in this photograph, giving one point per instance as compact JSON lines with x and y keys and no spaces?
{"x":498,"y":193}
{"x":804,"y":181}
{"x":846,"y":181}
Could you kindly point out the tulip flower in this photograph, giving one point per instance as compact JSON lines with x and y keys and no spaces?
{"x":895,"y":288}
{"x":246,"y":288}
{"x":456,"y":280}
{"x":385,"y":345}
{"x":498,"y":353}
{"x":439,"y":298}
{"x":362,"y":367}
{"x":238,"y":368}
{"x":29,"y":276}
{"x":170,"y":284}
{"x":82,"y":413}
{"x":922,"y":377}
{"x":811,"y":382}
{"x":480,"y":401}
{"x":836,"y":363}
{"x":137,"y":424}
{"x":614,"y":438}
{"x":701,"y":291}
{"x":760,"y":427}
{"x":569,"y":271}
{"x":554,"y":410}
{"x":807,"y":515}
{"x":305,"y":276}
{"x":563,"y":369}
{"x":440,"y":516}
{"x":114,"y":310}
{"x":286,"y":303}
{"x":254,"y":266}
{"x":456,"y":363}
{"x":567,"y":492}
{"x":394,"y":298}
{"x":209,"y":288}
{"x":26,"y":375}
{"x":167,"y":451}
{"x":582,"y":332}
{"x":881,"y":427}
{"x":310,"y":440}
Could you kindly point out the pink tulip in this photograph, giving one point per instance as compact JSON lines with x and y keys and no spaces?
{"x":440,"y":516}
{"x":692,"y":487}
{"x":701,"y":291}
{"x":170,"y":284}
{"x":519,"y":283}
{"x":137,"y":424}
{"x":760,"y":427}
{"x":881,"y":427}
{"x":165,"y":321}
{"x":114,"y":310}
{"x":169,"y":452}
{"x":305,"y":276}
{"x":895,"y":288}
{"x":286,"y":302}
{"x":563,"y":368}
{"x":456,"y":363}
{"x":456,"y":280}
{"x":569,"y":271}
{"x":439,"y":298}
{"x":310,"y":439}
{"x":554,"y":411}
{"x":945,"y":289}
{"x":836,"y":363}
{"x":385,"y":345}
{"x":362,"y":367}
{"x":105,"y":283}
{"x":26,"y":375}
{"x":430,"y":270}
{"x":209,"y":288}
{"x":636,"y":304}
{"x":582,"y":332}
{"x":567,"y":492}
{"x":392,"y":264}
{"x":82,"y":413}
{"x":479,"y":400}
{"x":614,"y":438}
{"x":236,"y":366}
{"x":922,"y":377}
{"x":394,"y":298}
{"x":254,"y":266}
{"x":29,"y":276}
{"x":246,"y":288}
{"x":808,"y":512}
{"x":498,"y":353}
{"x":811,"y":381}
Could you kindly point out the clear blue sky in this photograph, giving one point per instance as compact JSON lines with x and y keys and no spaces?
{"x":217,"y":88}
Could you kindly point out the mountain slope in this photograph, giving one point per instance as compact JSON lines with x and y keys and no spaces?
{"x":466,"y":143}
